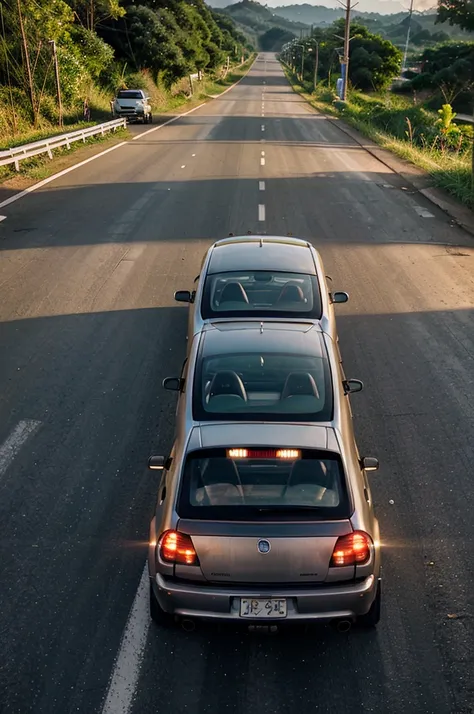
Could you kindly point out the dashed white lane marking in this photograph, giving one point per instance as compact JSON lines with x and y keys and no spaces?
{"x":423,"y":212}
{"x":193,"y":155}
{"x":13,"y":443}
{"x":263,"y":153}
{"x":126,"y":670}
{"x":261,"y":212}
{"x":183,"y":166}
{"x":2,"y":218}
{"x":261,"y":185}
{"x":262,"y":162}
{"x":263,"y":127}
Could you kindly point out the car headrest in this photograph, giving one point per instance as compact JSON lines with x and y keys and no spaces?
{"x":233,"y":292}
{"x":227,"y":382}
{"x":300,"y":383}
{"x":291,"y":293}
{"x":310,"y":472}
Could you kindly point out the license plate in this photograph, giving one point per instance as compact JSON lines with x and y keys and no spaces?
{"x":262,"y":608}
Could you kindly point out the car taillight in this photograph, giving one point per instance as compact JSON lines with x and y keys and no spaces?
{"x":177,"y":548}
{"x":352,"y":549}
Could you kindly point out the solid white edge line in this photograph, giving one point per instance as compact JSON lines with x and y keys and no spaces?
{"x":45,"y":181}
{"x":13,"y":443}
{"x":126,"y":671}
{"x":261,"y":212}
{"x":36,"y":186}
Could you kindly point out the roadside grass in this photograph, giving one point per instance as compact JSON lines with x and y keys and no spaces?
{"x":163,"y":102}
{"x":449,"y":170}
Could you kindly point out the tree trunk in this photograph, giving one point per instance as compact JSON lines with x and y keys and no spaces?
{"x":29,"y":76}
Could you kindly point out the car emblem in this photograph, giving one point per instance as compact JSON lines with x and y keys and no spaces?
{"x":263,"y":546}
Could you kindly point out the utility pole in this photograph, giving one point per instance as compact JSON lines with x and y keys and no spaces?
{"x":345,"y":63}
{"x":408,"y":38}
{"x":302,"y":63}
{"x":316,"y":62}
{"x":58,"y":85}
{"x":27,"y":62}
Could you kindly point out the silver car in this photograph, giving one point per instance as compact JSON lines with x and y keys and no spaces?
{"x":264,"y":511}
{"x":271,"y":277}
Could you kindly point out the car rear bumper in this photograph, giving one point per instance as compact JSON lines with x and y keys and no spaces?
{"x":326,"y":602}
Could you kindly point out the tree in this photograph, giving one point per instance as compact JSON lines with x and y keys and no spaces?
{"x":449,"y":68}
{"x":274,"y":39}
{"x":373,"y":61}
{"x":29,"y":27}
{"x":440,"y":37}
{"x":91,"y":13}
{"x":457,"y":12}
{"x":422,"y":37}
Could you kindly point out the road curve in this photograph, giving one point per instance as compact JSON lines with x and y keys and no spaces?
{"x":88,"y":329}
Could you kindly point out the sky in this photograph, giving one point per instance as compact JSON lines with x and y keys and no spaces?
{"x":383,"y":6}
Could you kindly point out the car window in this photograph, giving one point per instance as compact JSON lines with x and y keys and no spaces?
{"x":243,"y":482}
{"x":265,"y":293}
{"x":269,"y":386}
{"x":128,"y":94}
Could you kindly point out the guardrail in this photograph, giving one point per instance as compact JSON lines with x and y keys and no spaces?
{"x":46,"y":146}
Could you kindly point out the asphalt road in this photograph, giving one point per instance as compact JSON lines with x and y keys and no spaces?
{"x":88,"y":266}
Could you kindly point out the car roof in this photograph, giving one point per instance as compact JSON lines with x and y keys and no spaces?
{"x":290,"y":255}
{"x":276,"y":434}
{"x":222,"y":338}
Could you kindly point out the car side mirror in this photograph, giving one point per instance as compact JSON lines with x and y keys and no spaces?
{"x":369,"y":463}
{"x":159,"y":463}
{"x":156,"y":463}
{"x":182,"y":296}
{"x":352,"y":385}
{"x":173,"y":384}
{"x":339,"y":296}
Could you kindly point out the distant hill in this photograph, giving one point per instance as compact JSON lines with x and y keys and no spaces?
{"x":259,"y":19}
{"x":260,"y":22}
{"x":392,"y":27}
{"x":387,"y":7}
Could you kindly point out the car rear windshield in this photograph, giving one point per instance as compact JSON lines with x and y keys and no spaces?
{"x":260,"y":386}
{"x":241,"y":483}
{"x":265,"y":293}
{"x":127,"y":94}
